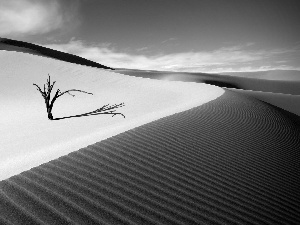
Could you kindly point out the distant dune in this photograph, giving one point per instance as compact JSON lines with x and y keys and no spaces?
{"x":188,"y":152}
{"x":234,"y":160}
{"x":228,"y":81}
{"x":279,"y":92}
{"x":285,"y":75}
{"x":20,"y":46}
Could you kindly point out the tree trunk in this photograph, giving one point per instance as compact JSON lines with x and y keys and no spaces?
{"x":50,"y":117}
{"x":49,"y":111}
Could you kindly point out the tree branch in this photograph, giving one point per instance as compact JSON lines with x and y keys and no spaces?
{"x":73,"y":90}
{"x":54,"y":98}
{"x":101,"y":110}
{"x":39,"y":89}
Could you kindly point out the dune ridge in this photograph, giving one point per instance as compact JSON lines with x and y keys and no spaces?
{"x":277,"y":87}
{"x":282,"y":86}
{"x":232,"y":160}
{"x":291,"y":75}
{"x":25,"y":47}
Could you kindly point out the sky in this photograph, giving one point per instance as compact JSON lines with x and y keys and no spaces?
{"x":209,"y":36}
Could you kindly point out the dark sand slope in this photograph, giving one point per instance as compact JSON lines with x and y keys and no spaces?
{"x":25,"y":47}
{"x":287,"y":102}
{"x":232,"y":160}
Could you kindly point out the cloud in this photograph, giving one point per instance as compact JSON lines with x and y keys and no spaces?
{"x":222,"y":59}
{"x":170,"y":39}
{"x":31,"y":16}
{"x":142,"y":49}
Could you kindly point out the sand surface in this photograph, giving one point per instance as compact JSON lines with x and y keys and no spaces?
{"x":28,"y":138}
{"x":233,"y":160}
{"x":287,"y":102}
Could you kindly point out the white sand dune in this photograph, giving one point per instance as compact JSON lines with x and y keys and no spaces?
{"x":29,"y":139}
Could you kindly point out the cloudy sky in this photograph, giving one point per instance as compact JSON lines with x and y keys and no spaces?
{"x":176,"y":35}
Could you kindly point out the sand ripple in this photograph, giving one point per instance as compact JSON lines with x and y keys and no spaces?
{"x":232,"y":160}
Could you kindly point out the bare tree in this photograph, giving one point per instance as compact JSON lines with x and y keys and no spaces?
{"x":46,"y":92}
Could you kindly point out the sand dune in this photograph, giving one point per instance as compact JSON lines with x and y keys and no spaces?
{"x":234,"y":160}
{"x":29,"y":139}
{"x":287,"y":86}
{"x":290,"y":75}
{"x":187,"y":153}
{"x":279,"y":88}
{"x":287,"y":102}
{"x":25,"y":47}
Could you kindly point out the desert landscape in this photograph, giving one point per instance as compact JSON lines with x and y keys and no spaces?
{"x":90,"y":135}
{"x":186,"y":152}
